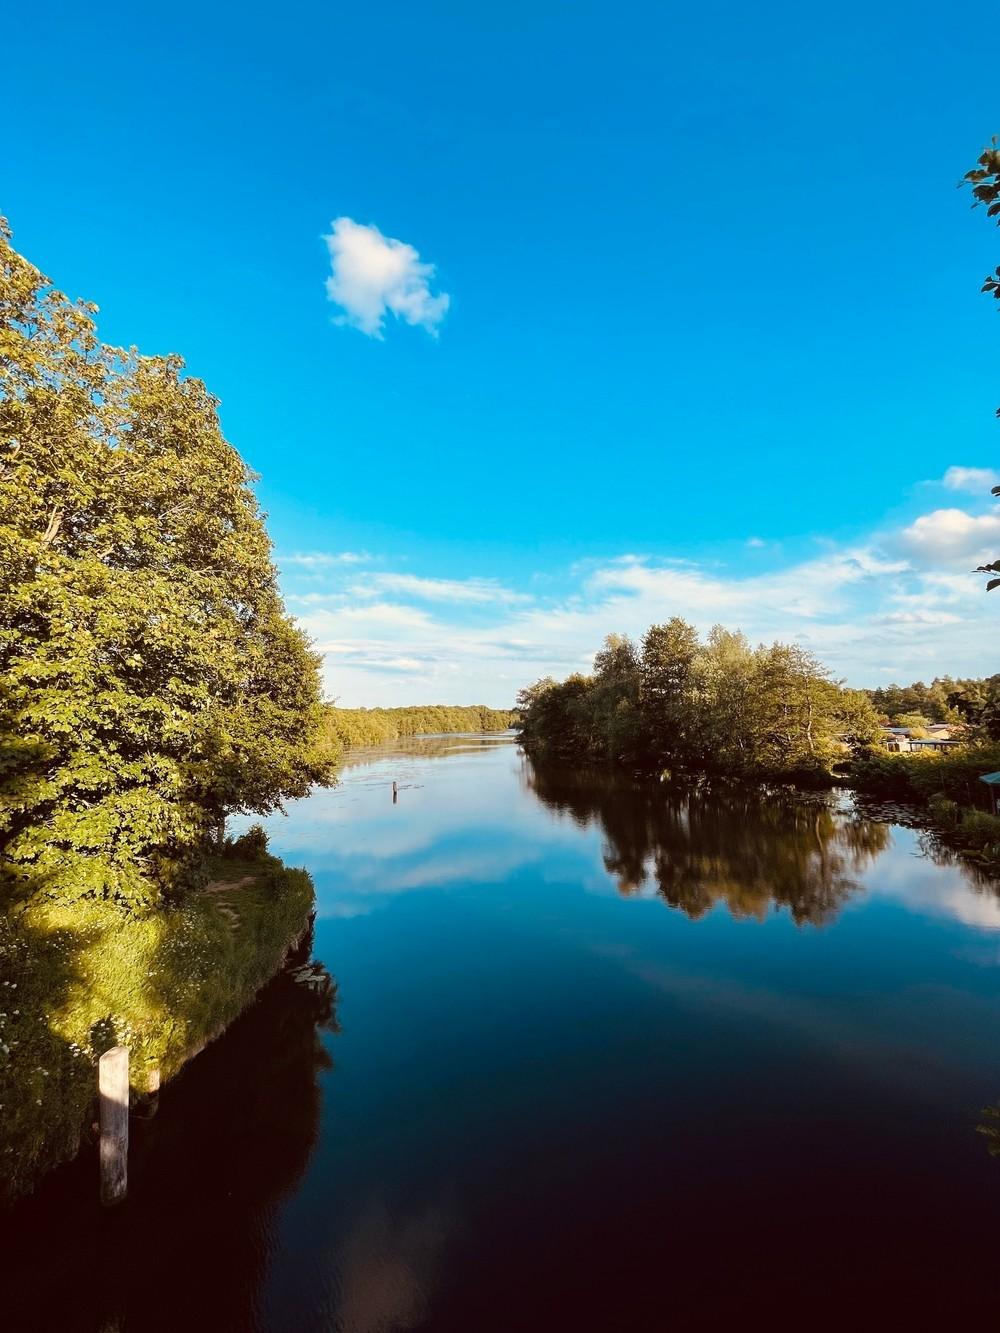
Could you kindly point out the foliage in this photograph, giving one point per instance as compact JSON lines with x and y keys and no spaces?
{"x":151,"y":679}
{"x":80,"y":978}
{"x":915,"y":722}
{"x":250,"y":846}
{"x":716,"y":705}
{"x":978,"y":702}
{"x":345,"y":727}
{"x":984,"y":180}
{"x":953,"y":774}
{"x":931,"y":703}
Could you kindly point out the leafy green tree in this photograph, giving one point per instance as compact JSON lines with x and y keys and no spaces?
{"x":725,"y":698}
{"x":984,"y":179}
{"x":152,"y":681}
{"x":617,"y":660}
{"x":666,"y":680}
{"x":615,"y":699}
{"x":932,"y":702}
{"x":979,"y":704}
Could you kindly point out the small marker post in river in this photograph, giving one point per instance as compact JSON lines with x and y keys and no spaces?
{"x":395,"y":793}
{"x":112,"y":1084}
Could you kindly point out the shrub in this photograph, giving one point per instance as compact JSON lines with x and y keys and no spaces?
{"x":951,"y":774}
{"x":981,"y":831}
{"x":945,"y":812}
{"x":249,"y":846}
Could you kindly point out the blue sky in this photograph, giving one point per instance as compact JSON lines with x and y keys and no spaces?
{"x":684,"y":317}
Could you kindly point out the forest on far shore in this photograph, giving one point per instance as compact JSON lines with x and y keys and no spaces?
{"x":346,"y":727}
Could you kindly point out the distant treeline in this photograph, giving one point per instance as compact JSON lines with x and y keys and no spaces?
{"x":718,"y":704}
{"x":369,"y":726}
{"x":945,"y":699}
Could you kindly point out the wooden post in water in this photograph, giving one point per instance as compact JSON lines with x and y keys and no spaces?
{"x":395,"y":793}
{"x":112,"y":1083}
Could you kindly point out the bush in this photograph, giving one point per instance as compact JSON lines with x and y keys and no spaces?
{"x":951,"y":774}
{"x":249,"y":846}
{"x":981,"y":832}
{"x":944,"y":811}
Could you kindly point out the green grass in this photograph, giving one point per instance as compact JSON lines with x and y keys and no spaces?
{"x":80,"y":978}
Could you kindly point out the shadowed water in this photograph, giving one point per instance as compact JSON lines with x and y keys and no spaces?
{"x":605,"y":1056}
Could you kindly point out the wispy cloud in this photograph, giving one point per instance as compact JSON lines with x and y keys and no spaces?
{"x":974,"y":480}
{"x":900,"y":604}
{"x":437,"y":590}
{"x":323,"y":559}
{"x":373,"y":276}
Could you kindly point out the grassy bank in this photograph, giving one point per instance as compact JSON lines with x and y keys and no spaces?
{"x":79,"y":979}
{"x":347,"y":727}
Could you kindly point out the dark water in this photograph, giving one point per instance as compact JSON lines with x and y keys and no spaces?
{"x":599,"y":1057}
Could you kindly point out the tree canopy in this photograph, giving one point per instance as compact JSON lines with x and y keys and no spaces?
{"x":984,"y":179}
{"x":716,"y":704}
{"x":152,"y":681}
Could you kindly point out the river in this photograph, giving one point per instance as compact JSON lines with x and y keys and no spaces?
{"x":576,"y":1052}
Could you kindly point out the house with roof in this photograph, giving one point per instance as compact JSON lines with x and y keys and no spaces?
{"x":903,"y":740}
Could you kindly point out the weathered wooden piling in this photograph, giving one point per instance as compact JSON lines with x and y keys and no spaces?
{"x":112,"y":1083}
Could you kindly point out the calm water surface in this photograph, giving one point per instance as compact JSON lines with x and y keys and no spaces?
{"x":600,"y":1057}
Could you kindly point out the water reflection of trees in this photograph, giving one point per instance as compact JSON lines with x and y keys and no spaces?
{"x":190,"y":1247}
{"x":745,"y":847}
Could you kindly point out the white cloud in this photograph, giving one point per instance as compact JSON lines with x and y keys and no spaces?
{"x":903,"y":597}
{"x":975,"y":480}
{"x":374,"y":275}
{"x":323,"y":559}
{"x":437,"y":590}
{"x":919,"y":617}
{"x":951,"y":535}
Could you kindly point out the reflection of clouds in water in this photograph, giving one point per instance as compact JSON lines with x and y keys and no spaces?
{"x":389,"y":1268}
{"x":482,"y":867}
{"x":895,"y":1042}
{"x":460,"y":822}
{"x":344,"y":909}
{"x":358,"y":815}
{"x":920,"y":886}
{"x":491,"y":865}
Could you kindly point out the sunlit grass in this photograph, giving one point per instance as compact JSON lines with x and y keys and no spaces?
{"x":81,"y":978}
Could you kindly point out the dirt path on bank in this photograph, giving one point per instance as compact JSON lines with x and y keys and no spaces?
{"x":220,"y":889}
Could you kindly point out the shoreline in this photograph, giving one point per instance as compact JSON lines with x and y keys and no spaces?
{"x":967,"y":831}
{"x":167,"y":986}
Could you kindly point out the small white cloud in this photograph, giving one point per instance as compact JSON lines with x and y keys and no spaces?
{"x":975,"y":480}
{"x":324,"y":559}
{"x":951,"y":534}
{"x":374,"y":275}
{"x":756,"y":542}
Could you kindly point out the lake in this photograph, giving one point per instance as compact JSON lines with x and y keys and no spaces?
{"x":579,"y":1052}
